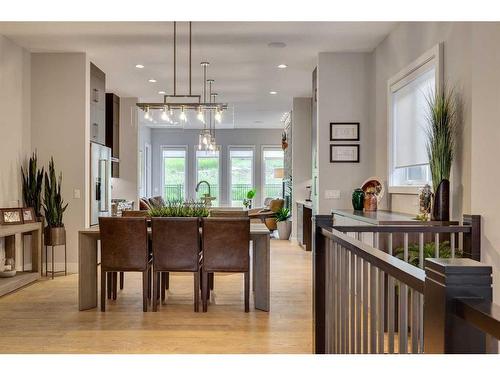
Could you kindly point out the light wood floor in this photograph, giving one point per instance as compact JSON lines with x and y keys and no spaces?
{"x":44,"y":317}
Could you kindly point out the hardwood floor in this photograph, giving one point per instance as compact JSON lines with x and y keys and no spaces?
{"x":44,"y":317}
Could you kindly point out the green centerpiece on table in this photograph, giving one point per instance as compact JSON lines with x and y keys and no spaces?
{"x":180,"y":208}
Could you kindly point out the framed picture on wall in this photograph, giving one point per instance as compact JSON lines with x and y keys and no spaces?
{"x":10,"y":216}
{"x":344,"y":131}
{"x":344,"y":153}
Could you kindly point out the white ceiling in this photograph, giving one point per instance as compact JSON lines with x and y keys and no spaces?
{"x":242,"y":64}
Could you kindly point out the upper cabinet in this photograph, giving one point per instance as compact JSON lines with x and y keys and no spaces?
{"x":113,"y":131}
{"x":97,"y":105}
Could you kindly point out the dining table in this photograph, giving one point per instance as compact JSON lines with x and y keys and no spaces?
{"x":88,"y":239}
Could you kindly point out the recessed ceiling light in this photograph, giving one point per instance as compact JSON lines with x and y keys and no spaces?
{"x":282,"y":66}
{"x":258,"y":122}
{"x":273,"y":92}
{"x":161,"y":92}
{"x":139,"y":66}
{"x":152,"y":80}
{"x":276,"y":45}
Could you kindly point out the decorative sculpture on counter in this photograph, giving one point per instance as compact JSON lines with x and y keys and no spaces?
{"x":425,"y":203}
{"x":371,"y":199}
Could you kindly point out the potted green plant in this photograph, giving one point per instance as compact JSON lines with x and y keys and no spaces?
{"x":32,"y":186}
{"x":284,"y":225}
{"x":54,"y":207}
{"x":179,"y":208}
{"x":441,"y":132}
{"x":247,"y":202}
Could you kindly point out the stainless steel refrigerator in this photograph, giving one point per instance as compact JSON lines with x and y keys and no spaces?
{"x":100,"y":182}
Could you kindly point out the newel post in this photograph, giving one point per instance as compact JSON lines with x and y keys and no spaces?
{"x":446,"y":280}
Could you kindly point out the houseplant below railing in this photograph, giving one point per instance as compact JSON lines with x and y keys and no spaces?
{"x":32,"y":186}
{"x":441,"y":131}
{"x":54,"y":207}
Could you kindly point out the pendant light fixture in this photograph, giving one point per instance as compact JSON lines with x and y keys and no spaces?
{"x":186,"y":103}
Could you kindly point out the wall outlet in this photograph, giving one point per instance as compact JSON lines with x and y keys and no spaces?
{"x":332,"y":194}
{"x":77,"y":194}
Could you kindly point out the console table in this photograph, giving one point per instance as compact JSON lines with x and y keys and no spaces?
{"x":14,"y":240}
{"x":87,"y":267}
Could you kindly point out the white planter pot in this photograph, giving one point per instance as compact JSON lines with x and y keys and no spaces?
{"x":284,"y":229}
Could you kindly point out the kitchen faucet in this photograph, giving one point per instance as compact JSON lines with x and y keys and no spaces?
{"x":201,"y":182}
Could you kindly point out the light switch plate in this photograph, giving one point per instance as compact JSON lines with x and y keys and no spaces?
{"x":77,"y":194}
{"x":332,"y":194}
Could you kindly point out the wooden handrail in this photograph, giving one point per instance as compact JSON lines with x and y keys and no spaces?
{"x":482,"y":314}
{"x":403,"y":228}
{"x":406,"y":273}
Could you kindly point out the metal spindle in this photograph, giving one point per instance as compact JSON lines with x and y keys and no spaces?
{"x":390,"y":313}
{"x":373,"y":309}
{"x":405,"y":244}
{"x":421,"y":250}
{"x":389,"y":243}
{"x":381,"y":312}
{"x":365,"y":306}
{"x":346,"y":301}
{"x":358,"y":304}
{"x":352,"y":303}
{"x":452,"y":244}
{"x":414,"y":321}
{"x":329,"y":323}
{"x":437,"y":245}
{"x":337,"y":299}
{"x":403,"y":318}
{"x":421,"y":320}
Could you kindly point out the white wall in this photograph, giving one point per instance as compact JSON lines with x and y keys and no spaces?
{"x":471,"y":61}
{"x":301,"y":153}
{"x":15,"y":133}
{"x":230,"y":137}
{"x":126,"y":186}
{"x":485,"y":172}
{"x":60,"y":113}
{"x":344,"y":82}
{"x":403,"y":45}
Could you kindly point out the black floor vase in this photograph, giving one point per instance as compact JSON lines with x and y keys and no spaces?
{"x":441,"y":209}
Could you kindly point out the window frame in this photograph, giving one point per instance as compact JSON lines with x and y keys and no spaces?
{"x":229,"y":175}
{"x":186,"y":166}
{"x":263,"y":168}
{"x":195,"y":174}
{"x":427,"y":61}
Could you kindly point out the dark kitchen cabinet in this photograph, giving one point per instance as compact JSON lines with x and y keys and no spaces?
{"x":97,"y":105}
{"x":113,"y":131}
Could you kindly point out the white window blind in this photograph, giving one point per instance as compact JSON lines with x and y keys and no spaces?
{"x":409,"y":120}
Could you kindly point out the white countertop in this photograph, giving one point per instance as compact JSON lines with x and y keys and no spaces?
{"x":307,"y":204}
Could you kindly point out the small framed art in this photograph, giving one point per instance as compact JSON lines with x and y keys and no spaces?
{"x":28,"y":215}
{"x":344,"y":153}
{"x":344,"y":131}
{"x":10,"y":216}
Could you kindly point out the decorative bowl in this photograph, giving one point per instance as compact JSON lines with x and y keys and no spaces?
{"x":8,"y":273}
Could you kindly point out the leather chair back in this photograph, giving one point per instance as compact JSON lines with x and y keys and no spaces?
{"x":124,"y":243}
{"x":225,"y":244}
{"x":176,"y":243}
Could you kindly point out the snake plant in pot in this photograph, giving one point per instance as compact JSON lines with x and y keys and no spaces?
{"x":442,"y":123}
{"x":284,"y":225}
{"x":54,"y":207}
{"x":32,"y":186}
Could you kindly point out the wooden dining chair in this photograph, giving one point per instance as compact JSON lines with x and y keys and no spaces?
{"x":176,"y":248}
{"x":124,"y":248}
{"x":225,"y":248}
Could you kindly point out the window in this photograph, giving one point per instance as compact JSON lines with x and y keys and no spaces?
{"x":272,"y":168}
{"x":241,"y":170}
{"x":174,"y":173}
{"x":408,"y":94}
{"x":208,"y":169}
